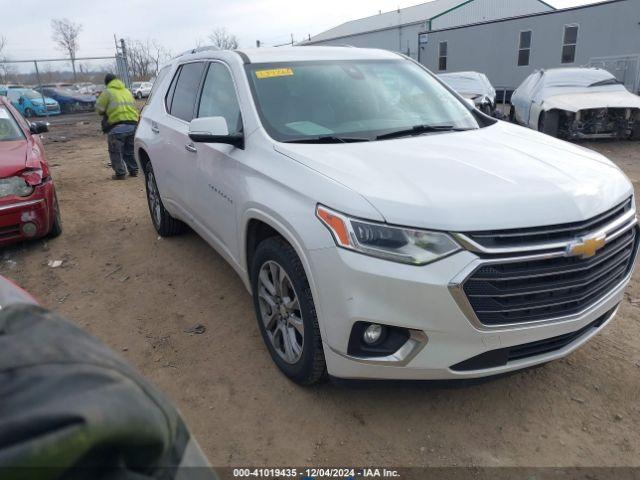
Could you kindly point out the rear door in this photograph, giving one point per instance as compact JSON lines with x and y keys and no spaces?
{"x":173,"y":159}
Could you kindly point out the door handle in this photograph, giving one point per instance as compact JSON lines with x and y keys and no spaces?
{"x":154,"y":128}
{"x":190,"y":147}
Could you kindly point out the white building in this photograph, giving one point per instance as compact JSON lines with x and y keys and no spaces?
{"x":398,"y":30}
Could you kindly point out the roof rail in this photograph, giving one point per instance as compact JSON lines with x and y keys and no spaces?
{"x":204,"y":48}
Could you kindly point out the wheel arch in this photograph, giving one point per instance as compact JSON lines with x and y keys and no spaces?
{"x":255,"y":219}
{"x":257,"y":225}
{"x":143,"y":157}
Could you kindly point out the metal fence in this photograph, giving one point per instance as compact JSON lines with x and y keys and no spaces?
{"x":85,"y":76}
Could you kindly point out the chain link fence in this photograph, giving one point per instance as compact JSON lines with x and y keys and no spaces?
{"x":46,"y":87}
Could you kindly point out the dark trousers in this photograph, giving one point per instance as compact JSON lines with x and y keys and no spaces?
{"x":120,"y":140}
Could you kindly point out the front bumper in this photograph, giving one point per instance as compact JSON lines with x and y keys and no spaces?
{"x":18,"y":215}
{"x":352,"y":287}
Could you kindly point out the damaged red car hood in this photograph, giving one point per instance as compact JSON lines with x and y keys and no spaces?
{"x":13,"y":157}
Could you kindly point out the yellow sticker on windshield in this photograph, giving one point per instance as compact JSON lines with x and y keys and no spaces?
{"x":275,"y":72}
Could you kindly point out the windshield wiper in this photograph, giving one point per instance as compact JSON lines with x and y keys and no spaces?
{"x":419,"y":130}
{"x":608,"y":81}
{"x":328,"y":139}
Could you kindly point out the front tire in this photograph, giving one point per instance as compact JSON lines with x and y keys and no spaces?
{"x":164,"y":223}
{"x":549,"y":123}
{"x":286,"y":313}
{"x":139,"y":96}
{"x":56,"y":228}
{"x":28,"y":113}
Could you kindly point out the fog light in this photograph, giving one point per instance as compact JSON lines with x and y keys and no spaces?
{"x":372,"y":334}
{"x":29,"y":229}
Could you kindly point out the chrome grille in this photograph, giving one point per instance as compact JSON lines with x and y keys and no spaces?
{"x":537,"y":290}
{"x":553,"y":233}
{"x":519,"y":279}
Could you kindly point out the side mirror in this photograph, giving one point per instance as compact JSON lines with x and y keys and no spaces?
{"x":38,"y":127}
{"x":214,"y":130}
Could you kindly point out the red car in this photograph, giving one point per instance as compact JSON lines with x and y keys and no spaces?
{"x":28,"y":202}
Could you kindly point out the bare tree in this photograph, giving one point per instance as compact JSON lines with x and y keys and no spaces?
{"x":223,"y":39}
{"x":5,"y":69}
{"x":65,"y":34}
{"x":145,"y":58}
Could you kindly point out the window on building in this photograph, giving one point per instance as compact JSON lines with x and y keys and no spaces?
{"x":442,"y":56}
{"x":524,"y":49}
{"x":570,"y":43}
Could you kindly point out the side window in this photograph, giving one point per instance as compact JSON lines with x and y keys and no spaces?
{"x":570,"y":43}
{"x":184,"y":96}
{"x":156,"y":83}
{"x":442,"y":56}
{"x":172,"y":88}
{"x":219,"y":97}
{"x":524,"y":49}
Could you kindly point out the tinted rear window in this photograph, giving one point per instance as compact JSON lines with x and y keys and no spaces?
{"x":186,"y":91}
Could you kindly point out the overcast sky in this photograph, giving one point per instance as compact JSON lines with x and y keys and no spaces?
{"x":179,"y":24}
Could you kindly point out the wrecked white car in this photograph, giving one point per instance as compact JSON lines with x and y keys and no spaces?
{"x":577,"y":104}
{"x":473,"y":86}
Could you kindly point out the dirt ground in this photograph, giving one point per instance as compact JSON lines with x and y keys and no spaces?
{"x":139,"y":293}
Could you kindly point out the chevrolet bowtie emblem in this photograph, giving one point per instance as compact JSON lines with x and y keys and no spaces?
{"x":586,"y":247}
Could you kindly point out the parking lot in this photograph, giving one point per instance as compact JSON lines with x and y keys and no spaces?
{"x":141,"y":295}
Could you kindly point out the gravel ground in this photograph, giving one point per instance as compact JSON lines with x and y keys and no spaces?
{"x":139,"y":294}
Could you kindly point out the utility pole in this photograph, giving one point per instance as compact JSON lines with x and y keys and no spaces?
{"x":44,"y":101}
{"x":292,"y":39}
{"x":257,"y":43}
{"x":125,"y":62}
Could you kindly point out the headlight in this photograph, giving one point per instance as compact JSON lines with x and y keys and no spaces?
{"x":404,"y":245}
{"x":15,"y":186}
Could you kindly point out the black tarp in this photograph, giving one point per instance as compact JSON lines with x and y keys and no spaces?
{"x":72,"y":408}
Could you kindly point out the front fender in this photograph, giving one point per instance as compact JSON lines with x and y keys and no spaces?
{"x":534,"y":116}
{"x":286,"y":230}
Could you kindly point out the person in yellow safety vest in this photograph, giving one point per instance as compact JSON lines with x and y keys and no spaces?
{"x":119,"y":120}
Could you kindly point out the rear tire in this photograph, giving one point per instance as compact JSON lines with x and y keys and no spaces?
{"x":164,"y":223}
{"x":512,"y":114}
{"x":286,"y":313}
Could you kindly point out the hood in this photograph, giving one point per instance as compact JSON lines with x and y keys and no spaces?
{"x":13,"y":157}
{"x":573,"y":102}
{"x":48,"y":101}
{"x":116,"y":84}
{"x":498,"y":177}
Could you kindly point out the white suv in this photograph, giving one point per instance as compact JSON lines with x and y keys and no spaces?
{"x":141,"y":89}
{"x":385,"y":228}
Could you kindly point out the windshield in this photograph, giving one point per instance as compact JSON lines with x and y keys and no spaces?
{"x":464,"y":84}
{"x":65,"y":92}
{"x":9,"y":129}
{"x":579,"y":78}
{"x":364,"y":99}
{"x":31,"y":94}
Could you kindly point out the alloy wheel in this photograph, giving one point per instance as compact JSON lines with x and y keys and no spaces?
{"x":280,"y":312}
{"x":153,"y":198}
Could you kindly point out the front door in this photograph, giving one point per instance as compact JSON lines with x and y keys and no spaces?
{"x":218,"y":172}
